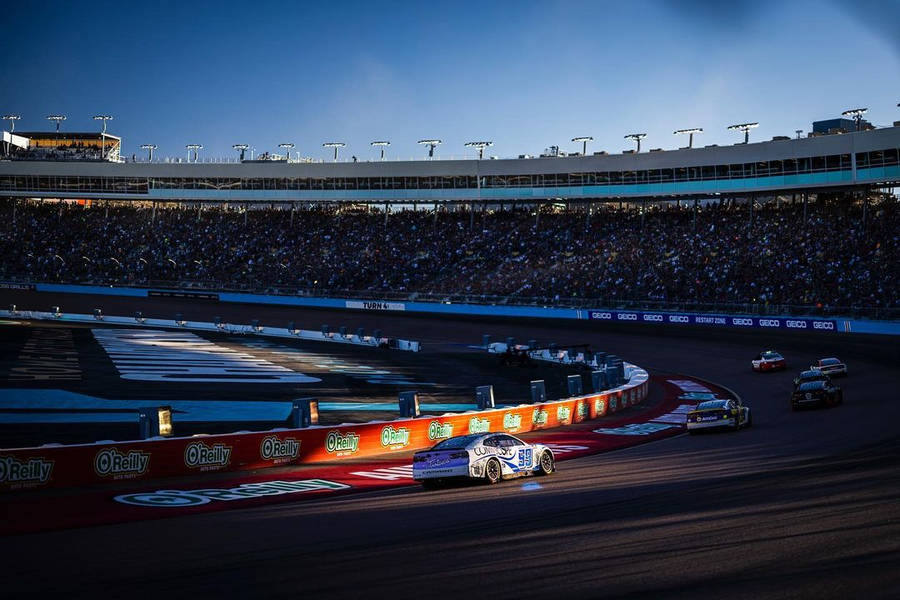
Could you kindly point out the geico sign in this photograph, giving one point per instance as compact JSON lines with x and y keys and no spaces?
{"x":679,"y":319}
{"x":823,"y":325}
{"x":657,"y":318}
{"x":601,"y":315}
{"x":769,"y":323}
{"x":742,"y":322}
{"x":627,"y":317}
{"x":796,"y":324}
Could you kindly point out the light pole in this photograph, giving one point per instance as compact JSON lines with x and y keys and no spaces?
{"x":799,"y":132}
{"x":745,"y":127}
{"x":382,"y":144}
{"x":855,"y":114}
{"x":149,"y":148}
{"x":242,"y":148}
{"x":287,"y":150}
{"x":637,"y":137}
{"x":103,"y":118}
{"x":481,"y":146}
{"x":690,"y":133}
{"x":336,"y":146}
{"x":584,"y":141}
{"x":58,"y":118}
{"x":432,"y":144}
{"x":12,"y":127}
{"x":196,"y":150}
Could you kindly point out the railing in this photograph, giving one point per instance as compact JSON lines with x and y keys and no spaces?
{"x":749,"y":308}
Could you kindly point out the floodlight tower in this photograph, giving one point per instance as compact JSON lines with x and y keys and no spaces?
{"x":103,"y":118}
{"x":481,"y":146}
{"x":690,"y":133}
{"x":287,"y":149}
{"x":381,"y":144}
{"x":58,"y":118}
{"x":336,"y":146}
{"x":584,"y":140}
{"x":196,"y":150}
{"x":12,"y":127}
{"x":637,"y":137}
{"x":242,"y":148}
{"x":855,"y":114}
{"x":12,"y":121}
{"x":745,"y":127}
{"x":432,"y":144}
{"x":799,"y":132}
{"x":149,"y":148}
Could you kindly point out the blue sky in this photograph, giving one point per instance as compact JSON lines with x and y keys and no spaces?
{"x":523,"y":74}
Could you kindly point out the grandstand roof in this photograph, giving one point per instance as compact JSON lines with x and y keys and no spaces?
{"x":67,"y":135}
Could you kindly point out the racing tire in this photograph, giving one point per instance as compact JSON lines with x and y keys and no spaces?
{"x":493,"y":473}
{"x":749,"y":422}
{"x":546,"y":463}
{"x":431,"y":484}
{"x":737,"y":424}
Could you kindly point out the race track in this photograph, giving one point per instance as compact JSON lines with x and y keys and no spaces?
{"x":802,"y":505}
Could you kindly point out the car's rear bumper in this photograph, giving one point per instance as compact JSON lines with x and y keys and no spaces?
{"x":711,"y":424}
{"x":440,"y":472}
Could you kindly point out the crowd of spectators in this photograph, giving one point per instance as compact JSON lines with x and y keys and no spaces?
{"x":831,"y":259}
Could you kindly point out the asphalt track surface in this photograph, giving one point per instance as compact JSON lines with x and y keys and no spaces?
{"x":803,"y":505}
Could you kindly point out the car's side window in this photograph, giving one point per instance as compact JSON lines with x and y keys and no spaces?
{"x":492,"y":442}
{"x":510,"y":441}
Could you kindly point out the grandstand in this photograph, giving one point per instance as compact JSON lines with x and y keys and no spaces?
{"x":795,"y":225}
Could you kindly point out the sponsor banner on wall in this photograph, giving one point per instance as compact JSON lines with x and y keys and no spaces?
{"x":375,"y":305}
{"x":625,"y":316}
{"x":11,"y":285}
{"x":62,"y":466}
{"x":183,"y":295}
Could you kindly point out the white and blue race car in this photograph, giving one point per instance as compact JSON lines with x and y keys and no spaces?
{"x":484,"y":456}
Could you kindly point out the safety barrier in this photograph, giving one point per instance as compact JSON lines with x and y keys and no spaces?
{"x":84,"y":464}
{"x":252,"y":329}
{"x":717,"y":320}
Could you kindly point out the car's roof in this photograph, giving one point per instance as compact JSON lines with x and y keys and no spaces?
{"x":811,"y":385}
{"x":812,"y":373}
{"x":829,"y":361}
{"x":770,"y":352}
{"x":712,"y":404}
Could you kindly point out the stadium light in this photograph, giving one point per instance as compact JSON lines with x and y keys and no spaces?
{"x":336,"y":146}
{"x":12,"y":121}
{"x":481,"y":146}
{"x":58,"y":118}
{"x":196,"y":149}
{"x":149,"y":148}
{"x":855,"y":114}
{"x":241,"y":148}
{"x":799,"y":132}
{"x":690,"y":133}
{"x":381,"y":144}
{"x":584,"y":140}
{"x":745,"y":127}
{"x":287,"y":149}
{"x":637,"y":137}
{"x":103,"y":118}
{"x":432,"y":144}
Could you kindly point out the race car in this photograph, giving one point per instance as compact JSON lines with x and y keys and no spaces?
{"x":488,"y":457}
{"x":816,"y":393}
{"x":811,"y":375}
{"x":717,"y":414}
{"x":768,"y":361}
{"x":831,"y":366}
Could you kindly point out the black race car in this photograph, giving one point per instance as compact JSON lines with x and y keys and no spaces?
{"x":812,"y":375}
{"x":816,"y":393}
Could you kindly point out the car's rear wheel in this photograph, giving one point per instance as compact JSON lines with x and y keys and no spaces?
{"x":492,"y":471}
{"x":546,"y":463}
{"x":749,"y":422}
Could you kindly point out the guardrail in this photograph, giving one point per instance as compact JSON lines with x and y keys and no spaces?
{"x":85,"y":464}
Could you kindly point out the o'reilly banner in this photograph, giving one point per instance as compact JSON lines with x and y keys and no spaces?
{"x":714,"y":320}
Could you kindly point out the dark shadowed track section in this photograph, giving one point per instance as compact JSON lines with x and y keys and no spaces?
{"x":802,"y":505}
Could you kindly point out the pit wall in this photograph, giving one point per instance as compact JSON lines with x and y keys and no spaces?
{"x":667,"y":318}
{"x":86,"y":464}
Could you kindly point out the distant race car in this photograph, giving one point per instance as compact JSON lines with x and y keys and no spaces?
{"x":485,"y":456}
{"x":768,"y":361}
{"x":830,"y":366}
{"x":811,"y":375}
{"x":816,"y":393}
{"x":719,"y":413}
{"x":697,"y":396}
